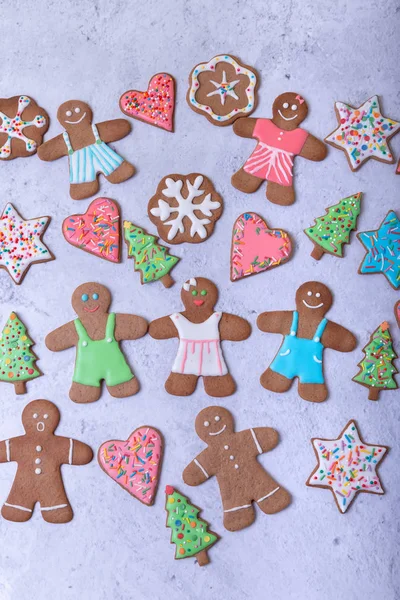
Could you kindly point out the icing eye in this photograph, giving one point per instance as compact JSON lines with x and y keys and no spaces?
{"x":206,"y":423}
{"x":35,"y":415}
{"x":203,"y":293}
{"x":85,"y":297}
{"x":309,"y":293}
{"x":95,"y":296}
{"x":194,"y":293}
{"x":77,"y":109}
{"x":294,"y":107}
{"x":69,"y":113}
{"x":318,"y":295}
{"x":217,"y":418}
{"x":46,"y":416}
{"x":285,"y":105}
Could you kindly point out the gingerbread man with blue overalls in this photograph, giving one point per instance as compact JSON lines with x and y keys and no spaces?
{"x":306,"y":333}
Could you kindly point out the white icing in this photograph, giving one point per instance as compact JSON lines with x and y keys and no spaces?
{"x":53,"y":507}
{"x":217,"y":418}
{"x":46,"y":416}
{"x":268,"y":495}
{"x":218,"y":432}
{"x":310,"y":306}
{"x":14,"y":127}
{"x":206,"y":423}
{"x":285,"y":105}
{"x":38,"y":461}
{"x":286,"y":118}
{"x":75,"y":122}
{"x":196,"y":462}
{"x":309,"y":293}
{"x":224,"y":89}
{"x":237,"y":508}
{"x":192,"y":282}
{"x":38,"y":471}
{"x":40,"y":426}
{"x":17,"y":506}
{"x":71,"y":450}
{"x":185,"y":207}
{"x":38,"y":448}
{"x":259,"y":449}
{"x":8,"y":456}
{"x":35,"y":415}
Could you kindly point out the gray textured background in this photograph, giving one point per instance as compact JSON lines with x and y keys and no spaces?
{"x":115,"y":547}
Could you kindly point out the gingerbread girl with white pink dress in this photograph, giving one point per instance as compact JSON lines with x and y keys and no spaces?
{"x":280,"y":139}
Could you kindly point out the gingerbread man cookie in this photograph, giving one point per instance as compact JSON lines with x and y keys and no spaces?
{"x":23,"y":125}
{"x":96,"y":334}
{"x":232,"y":457}
{"x":85,"y":144}
{"x":306,"y":333}
{"x":280,"y":139}
{"x":200,"y":331}
{"x":40,"y":454}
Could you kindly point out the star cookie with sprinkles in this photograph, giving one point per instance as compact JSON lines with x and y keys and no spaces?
{"x":363,"y":133}
{"x":383,"y":250}
{"x":21,"y":243}
{"x":347,"y":465}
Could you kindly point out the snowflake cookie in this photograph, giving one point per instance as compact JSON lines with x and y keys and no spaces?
{"x":185,"y":208}
{"x":18,"y":114}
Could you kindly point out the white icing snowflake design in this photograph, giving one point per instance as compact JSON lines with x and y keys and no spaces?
{"x":14,"y":126}
{"x":185,"y":207}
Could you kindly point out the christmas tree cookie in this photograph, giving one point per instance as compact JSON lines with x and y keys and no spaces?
{"x":377,"y":369}
{"x":17,"y":360}
{"x":332,"y":230}
{"x":190,"y":534}
{"x":152,"y":260}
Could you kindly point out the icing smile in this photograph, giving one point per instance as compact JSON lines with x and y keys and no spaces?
{"x":91,"y":310}
{"x":78,"y":121}
{"x":198,"y":302}
{"x":310,"y":305}
{"x":218,"y":432}
{"x":283,"y":116}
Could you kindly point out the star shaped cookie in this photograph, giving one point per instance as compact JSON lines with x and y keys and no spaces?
{"x":346,"y":466}
{"x":21,"y":242}
{"x":363,"y":133}
{"x":383,"y":250}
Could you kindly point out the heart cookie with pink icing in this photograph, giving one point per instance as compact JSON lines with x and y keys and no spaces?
{"x":97,"y":230}
{"x":154,"y":106}
{"x":256,"y":247}
{"x":135,"y":463}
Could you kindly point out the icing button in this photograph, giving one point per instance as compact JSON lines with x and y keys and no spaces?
{"x":231,"y":457}
{"x":292,"y":333}
{"x":236,"y":466}
{"x":38,"y":461}
{"x":38,"y":448}
{"x":84,"y":343}
{"x":226,"y":447}
{"x":279,"y":139}
{"x":316,"y":339}
{"x":38,"y":471}
{"x":109,"y":340}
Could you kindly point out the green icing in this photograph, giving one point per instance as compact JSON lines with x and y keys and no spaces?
{"x":150,"y":258}
{"x":17,"y":361}
{"x":189,"y":533}
{"x":100,"y":359}
{"x":333,"y":229}
{"x":376,"y":369}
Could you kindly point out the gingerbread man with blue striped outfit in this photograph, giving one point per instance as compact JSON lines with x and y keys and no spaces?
{"x":85,"y":144}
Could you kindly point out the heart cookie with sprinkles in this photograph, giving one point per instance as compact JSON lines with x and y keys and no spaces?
{"x":135,"y":463}
{"x":97,"y":230}
{"x":154,"y":106}
{"x":256,"y":247}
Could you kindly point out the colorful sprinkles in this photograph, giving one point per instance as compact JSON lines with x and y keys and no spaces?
{"x":154,"y":106}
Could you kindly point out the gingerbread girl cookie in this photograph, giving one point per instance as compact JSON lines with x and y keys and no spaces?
{"x":40,"y":454}
{"x":96,"y":334}
{"x":85,"y":144}
{"x":200,"y":331}
{"x":23,"y":125}
{"x":306,"y":333}
{"x":232,"y":457}
{"x":280,"y":139}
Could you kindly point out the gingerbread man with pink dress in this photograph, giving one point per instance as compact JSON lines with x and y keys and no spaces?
{"x":280,"y":139}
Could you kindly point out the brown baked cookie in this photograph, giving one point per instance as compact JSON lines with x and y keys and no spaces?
{"x":397,"y":312}
{"x":40,"y":454}
{"x":306,"y":333}
{"x":223,"y":89}
{"x":232,"y":457}
{"x":85,"y":144}
{"x":280,"y":139}
{"x":23,"y":125}
{"x":96,"y":333}
{"x":200,"y":331}
{"x":185,"y":208}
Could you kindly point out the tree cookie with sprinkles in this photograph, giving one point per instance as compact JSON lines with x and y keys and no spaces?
{"x":383,"y":250}
{"x":363,"y":133}
{"x":96,"y":231}
{"x":22,"y":126}
{"x":223,"y":89}
{"x":135,"y":463}
{"x":347,"y":465}
{"x":155,"y":106}
{"x":21,"y":243}
{"x":256,"y":248}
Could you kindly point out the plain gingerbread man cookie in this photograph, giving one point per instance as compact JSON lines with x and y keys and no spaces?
{"x":280,"y":139}
{"x":40,"y":454}
{"x":232,"y":457}
{"x":85,"y":144}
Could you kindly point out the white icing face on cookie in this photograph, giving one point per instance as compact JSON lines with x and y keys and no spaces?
{"x":213,"y":423}
{"x":73,"y":113}
{"x":313,"y":297}
{"x":40,"y":417}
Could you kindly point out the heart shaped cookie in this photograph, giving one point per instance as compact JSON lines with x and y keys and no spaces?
{"x":135,"y":463}
{"x":397,"y":312}
{"x":154,"y":106}
{"x":96,"y":231}
{"x":256,"y":247}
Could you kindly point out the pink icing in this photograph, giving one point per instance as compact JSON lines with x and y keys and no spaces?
{"x":154,"y":106}
{"x":135,"y":463}
{"x":97,"y":231}
{"x":255,"y":247}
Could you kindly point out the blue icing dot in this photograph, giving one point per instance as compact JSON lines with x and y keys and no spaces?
{"x":178,"y":522}
{"x":364,"y":147}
